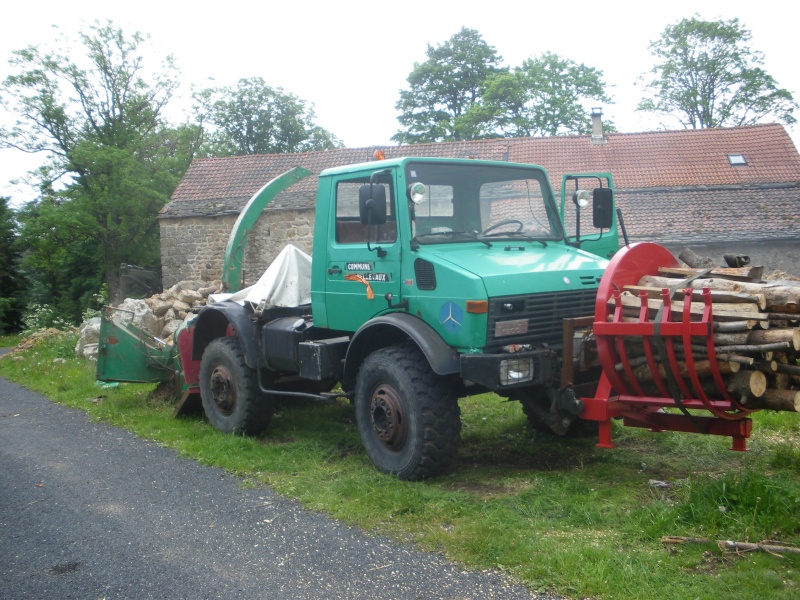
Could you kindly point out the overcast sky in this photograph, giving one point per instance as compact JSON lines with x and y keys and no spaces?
{"x":350,"y":58}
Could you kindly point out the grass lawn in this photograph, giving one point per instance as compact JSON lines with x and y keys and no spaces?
{"x":560,"y":515}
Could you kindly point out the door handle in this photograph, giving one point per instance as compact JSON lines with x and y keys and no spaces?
{"x":334,"y":271}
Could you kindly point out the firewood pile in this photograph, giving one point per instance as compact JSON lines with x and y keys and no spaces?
{"x":756,"y":332}
{"x":159,"y":315}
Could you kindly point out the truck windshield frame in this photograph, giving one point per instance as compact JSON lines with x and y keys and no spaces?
{"x":478,"y":202}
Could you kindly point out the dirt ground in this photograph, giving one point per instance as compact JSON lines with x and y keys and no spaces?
{"x":782,"y":255}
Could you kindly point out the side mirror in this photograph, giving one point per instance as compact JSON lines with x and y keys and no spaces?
{"x":372,"y":204}
{"x":602,"y":208}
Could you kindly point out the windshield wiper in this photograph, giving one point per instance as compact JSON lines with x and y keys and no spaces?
{"x":515,"y":234}
{"x":471,"y":235}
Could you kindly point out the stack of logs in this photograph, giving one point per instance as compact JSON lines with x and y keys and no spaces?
{"x":756,"y":333}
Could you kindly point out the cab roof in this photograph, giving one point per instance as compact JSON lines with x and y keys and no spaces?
{"x":378,"y":165}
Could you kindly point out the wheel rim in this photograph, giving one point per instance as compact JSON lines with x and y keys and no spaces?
{"x":223,"y":391}
{"x":388,"y":418}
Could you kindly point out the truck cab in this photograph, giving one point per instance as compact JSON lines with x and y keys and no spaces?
{"x":470,"y":256}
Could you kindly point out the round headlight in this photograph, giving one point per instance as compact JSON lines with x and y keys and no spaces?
{"x":581,"y":198}
{"x":417,"y":192}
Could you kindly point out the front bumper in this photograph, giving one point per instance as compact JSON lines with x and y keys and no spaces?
{"x":509,"y":370}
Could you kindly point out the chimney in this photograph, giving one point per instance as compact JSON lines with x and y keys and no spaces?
{"x":597,"y":127}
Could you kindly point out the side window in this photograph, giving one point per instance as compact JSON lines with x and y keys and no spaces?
{"x":349,"y":229}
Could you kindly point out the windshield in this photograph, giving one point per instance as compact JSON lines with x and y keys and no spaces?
{"x":461,"y":203}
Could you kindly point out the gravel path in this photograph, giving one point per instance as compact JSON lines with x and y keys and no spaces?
{"x":90,"y":511}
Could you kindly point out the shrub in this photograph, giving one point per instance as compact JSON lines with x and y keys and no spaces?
{"x":41,"y":316}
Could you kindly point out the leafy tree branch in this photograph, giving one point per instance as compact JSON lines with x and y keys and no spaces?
{"x":706,"y":75}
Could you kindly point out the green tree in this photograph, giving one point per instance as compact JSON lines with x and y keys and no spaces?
{"x":443,"y":100}
{"x":254,"y":118}
{"x":547,"y":95}
{"x":63,"y":262}
{"x":97,"y":113}
{"x":707,"y":75}
{"x":11,"y":279}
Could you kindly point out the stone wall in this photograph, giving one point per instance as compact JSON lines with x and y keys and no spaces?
{"x":194,"y":247}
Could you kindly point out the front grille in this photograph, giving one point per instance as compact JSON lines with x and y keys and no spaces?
{"x":544,"y":314}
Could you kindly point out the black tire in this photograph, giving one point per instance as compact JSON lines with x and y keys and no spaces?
{"x":229,"y":390}
{"x":536,"y":406}
{"x":408,"y":417}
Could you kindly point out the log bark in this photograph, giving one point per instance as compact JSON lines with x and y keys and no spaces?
{"x":731,"y":545}
{"x":694,"y":260}
{"x":778,"y":316}
{"x":722,"y":312}
{"x":642,"y":371}
{"x":784,"y":400}
{"x":736,"y":360}
{"x":732,"y":273}
{"x":717,"y":296}
{"x":731,"y":339}
{"x":788,"y":369}
{"x":752,"y":348}
{"x":781,"y":297}
{"x":734,"y":326}
{"x":748,"y":547}
{"x":760,"y":337}
{"x":747,"y":385}
{"x":780,"y":381}
{"x":768,"y":336}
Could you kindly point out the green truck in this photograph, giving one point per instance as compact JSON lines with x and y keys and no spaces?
{"x":431,"y":279}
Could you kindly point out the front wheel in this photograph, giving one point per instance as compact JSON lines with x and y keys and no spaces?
{"x":545,"y":416}
{"x":408,"y":417}
{"x":229,"y":390}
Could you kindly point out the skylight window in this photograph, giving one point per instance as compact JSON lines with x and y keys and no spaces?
{"x":737,"y":160}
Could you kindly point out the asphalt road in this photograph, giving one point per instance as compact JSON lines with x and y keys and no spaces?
{"x":89,"y":511}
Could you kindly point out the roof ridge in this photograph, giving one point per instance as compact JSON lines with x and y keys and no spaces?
{"x":671,"y":159}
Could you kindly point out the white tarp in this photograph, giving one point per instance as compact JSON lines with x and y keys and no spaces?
{"x":285,"y":283}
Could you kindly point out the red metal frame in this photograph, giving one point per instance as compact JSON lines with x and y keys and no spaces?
{"x":191,"y":368}
{"x":620,"y":394}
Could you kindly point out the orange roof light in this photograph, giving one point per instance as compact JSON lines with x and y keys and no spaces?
{"x":379,"y":155}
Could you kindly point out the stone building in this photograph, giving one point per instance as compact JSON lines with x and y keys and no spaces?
{"x":727,"y":190}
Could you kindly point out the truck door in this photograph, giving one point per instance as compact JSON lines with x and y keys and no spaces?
{"x":363,"y":260}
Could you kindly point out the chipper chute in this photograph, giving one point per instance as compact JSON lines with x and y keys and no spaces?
{"x":127,"y":352}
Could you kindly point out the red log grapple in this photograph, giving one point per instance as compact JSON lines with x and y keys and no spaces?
{"x":665,"y":338}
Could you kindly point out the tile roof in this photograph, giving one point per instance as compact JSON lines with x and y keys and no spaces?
{"x":722,"y":213}
{"x":675,"y":161}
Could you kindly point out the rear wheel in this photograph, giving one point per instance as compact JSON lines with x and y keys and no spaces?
{"x":408,"y":417}
{"x":229,"y":390}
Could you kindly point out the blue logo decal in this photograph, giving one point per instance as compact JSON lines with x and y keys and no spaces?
{"x":451,"y":316}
